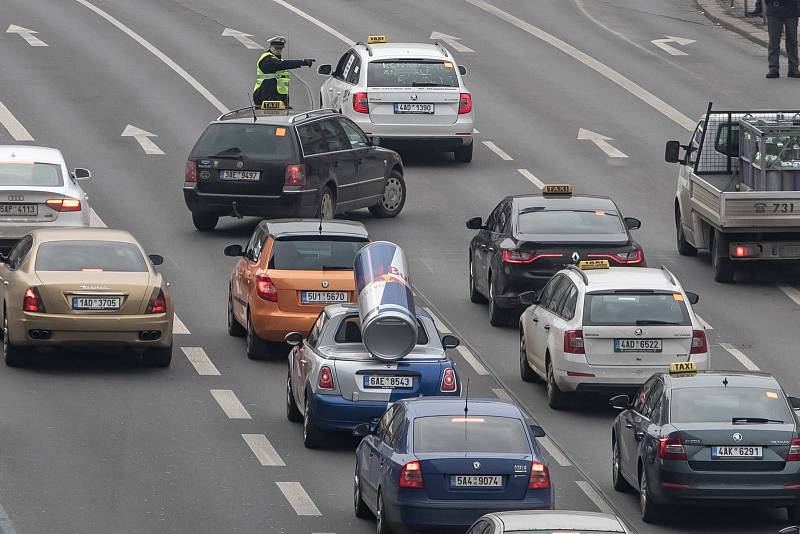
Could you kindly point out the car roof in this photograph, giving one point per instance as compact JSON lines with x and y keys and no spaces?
{"x":38,"y":154}
{"x":739,"y":379}
{"x":382,"y":51}
{"x":558,"y":520}
{"x":635,"y":278}
{"x":431,"y":406}
{"x":338,"y":309}
{"x":245,"y":116}
{"x":83,"y":234}
{"x":572,"y":202}
{"x":297,"y":227}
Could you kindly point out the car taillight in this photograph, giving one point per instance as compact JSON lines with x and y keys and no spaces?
{"x":32,"y":302}
{"x":191,"y":172}
{"x":64,"y":204}
{"x":411,"y":476}
{"x":629,"y":257}
{"x":671,"y":449}
{"x":699,"y":342}
{"x":745,"y":250}
{"x":265,"y":288}
{"x":325,"y":378}
{"x":464,"y":103}
{"x":295,"y":175}
{"x":794,"y":451}
{"x":158,"y":304}
{"x":360,"y":103}
{"x":573,"y":342}
{"x":448,"y":380}
{"x":540,"y":476}
{"x":521,"y":256}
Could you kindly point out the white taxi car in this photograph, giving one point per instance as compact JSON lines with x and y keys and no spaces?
{"x":595,"y":329}
{"x":406,"y":94}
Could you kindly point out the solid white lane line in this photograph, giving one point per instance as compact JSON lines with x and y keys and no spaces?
{"x":703,"y":322}
{"x":230,"y":404}
{"x":201,"y":362}
{"x":741,"y":356}
{"x":14,"y":127}
{"x":472,"y":360}
{"x":440,"y":326}
{"x":531,"y":178}
{"x":554,"y":452}
{"x":263,"y":449}
{"x":214,"y":101}
{"x":298,"y":498}
{"x":791,"y":292}
{"x":595,"y":497}
{"x":497,"y":150}
{"x":26,"y":34}
{"x":599,"y":67}
{"x":178,"y":327}
{"x":316,"y":21}
{"x":500,"y":393}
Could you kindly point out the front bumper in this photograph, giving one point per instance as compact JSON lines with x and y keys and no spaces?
{"x":288,"y":204}
{"x":334,"y":412}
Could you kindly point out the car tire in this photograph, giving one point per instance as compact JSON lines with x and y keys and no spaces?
{"x":381,"y":525}
{"x":497,"y":316}
{"x":525,"y":372}
{"x":651,"y":512}
{"x":474,"y":295}
{"x":312,"y":435}
{"x":684,"y":248}
{"x":204,"y":222}
{"x":234,"y":328}
{"x":393,"y":199}
{"x":15,"y":356}
{"x":463,"y":154}
{"x":556,"y":399}
{"x":257,"y":348}
{"x":360,"y":508}
{"x":723,"y":266}
{"x":793,"y":513}
{"x":619,"y":482}
{"x":326,"y":209}
{"x":158,"y":356}
{"x":293,"y":413}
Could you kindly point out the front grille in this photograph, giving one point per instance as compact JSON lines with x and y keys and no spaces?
{"x":737,"y":466}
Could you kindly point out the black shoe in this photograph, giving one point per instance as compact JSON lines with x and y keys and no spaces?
{"x":793,"y":74}
{"x":772,"y":74}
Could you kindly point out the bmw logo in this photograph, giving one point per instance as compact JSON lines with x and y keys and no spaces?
{"x":324,"y":283}
{"x":476,"y":465}
{"x":737,"y":437}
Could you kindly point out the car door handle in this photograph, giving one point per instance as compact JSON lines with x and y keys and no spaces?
{"x":638,"y":436}
{"x":628,"y":425}
{"x":547,"y":327}
{"x":535,"y":319}
{"x":491,"y":249}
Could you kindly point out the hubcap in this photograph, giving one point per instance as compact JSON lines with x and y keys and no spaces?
{"x":379,"y":516}
{"x":522,"y":355}
{"x":393,"y":194}
{"x":356,"y":490}
{"x":326,"y":206}
{"x":550,"y":383}
{"x":643,"y":491}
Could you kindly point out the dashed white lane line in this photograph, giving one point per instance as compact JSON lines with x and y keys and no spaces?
{"x":263,"y":449}
{"x":200,"y":360}
{"x":214,"y":101}
{"x":705,"y":323}
{"x":554,"y":452}
{"x":6,"y":525}
{"x":178,"y":326}
{"x":741,"y":356}
{"x":95,"y":220}
{"x":14,"y":127}
{"x":531,"y":178}
{"x":472,"y":360}
{"x":298,"y":498}
{"x":316,"y":22}
{"x":595,"y":497}
{"x":791,"y":292}
{"x":440,"y":326}
{"x":500,"y":393}
{"x":497,"y":150}
{"x":230,"y":404}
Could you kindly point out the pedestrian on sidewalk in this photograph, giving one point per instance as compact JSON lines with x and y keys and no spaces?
{"x":782,"y":16}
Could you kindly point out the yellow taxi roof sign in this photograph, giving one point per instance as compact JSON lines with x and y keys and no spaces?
{"x":682,"y":368}
{"x":376,"y":39}
{"x":588,"y":265}
{"x":273,"y":105}
{"x":557,"y":189}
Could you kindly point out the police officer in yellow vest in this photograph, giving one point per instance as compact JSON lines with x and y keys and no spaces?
{"x":272,"y":73}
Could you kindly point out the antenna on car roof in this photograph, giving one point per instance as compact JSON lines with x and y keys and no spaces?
{"x":250,"y":97}
{"x":466,"y":399}
{"x":320,"y":224}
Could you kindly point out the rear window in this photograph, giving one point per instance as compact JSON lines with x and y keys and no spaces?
{"x":564,"y":222}
{"x":470,"y":434}
{"x":310,"y":254}
{"x":722,"y":404}
{"x":635,"y":309}
{"x":395,"y":73}
{"x":90,"y":256}
{"x":235,"y":140}
{"x":28,"y":173}
{"x":349,"y":331}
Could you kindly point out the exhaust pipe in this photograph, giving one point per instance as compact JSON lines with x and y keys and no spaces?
{"x":39,"y":334}
{"x":149,"y":335}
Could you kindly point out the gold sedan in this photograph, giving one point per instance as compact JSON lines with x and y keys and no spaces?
{"x":84,"y":287}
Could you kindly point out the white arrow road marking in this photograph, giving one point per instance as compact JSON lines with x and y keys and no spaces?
{"x":14,"y":127}
{"x":602,"y":143}
{"x":452,"y":42}
{"x":662,"y":44}
{"x":243,"y":38}
{"x":143,"y":138}
{"x":26,"y":34}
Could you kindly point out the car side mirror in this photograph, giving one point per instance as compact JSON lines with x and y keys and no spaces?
{"x":672,"y":152}
{"x":3,"y":258}
{"x":694,"y":298}
{"x":450,"y":341}
{"x":234,"y":250}
{"x":293,"y":338}
{"x":362,"y":429}
{"x":528,"y":298}
{"x":156,"y":259}
{"x":537,"y":431}
{"x":324,"y":69}
{"x":462,"y":70}
{"x":475,"y":223}
{"x":789,"y":530}
{"x":81,"y":174}
{"x":619,"y":402}
{"x":632,"y":223}
{"x":794,"y":402}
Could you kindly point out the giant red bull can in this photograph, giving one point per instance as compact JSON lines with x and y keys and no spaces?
{"x":385,"y":301}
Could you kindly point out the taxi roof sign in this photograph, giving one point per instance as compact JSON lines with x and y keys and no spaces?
{"x":376,"y":39}
{"x":557,"y":189}
{"x":588,"y":265}
{"x":682,"y":368}
{"x":272,"y":104}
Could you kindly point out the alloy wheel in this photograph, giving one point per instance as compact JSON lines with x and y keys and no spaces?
{"x":392,"y":194}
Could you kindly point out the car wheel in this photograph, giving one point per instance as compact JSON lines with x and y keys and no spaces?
{"x":204,"y":222}
{"x":234,"y":328}
{"x":651,"y":512}
{"x":525,"y":372}
{"x":497,"y":315}
{"x":463,"y":154}
{"x":257,"y":348}
{"x":474,"y":295}
{"x":327,"y":204}
{"x":292,"y":411}
{"x":394,"y":197}
{"x":684,"y":248}
{"x":15,"y":356}
{"x":556,"y":398}
{"x":158,"y":356}
{"x":620,"y":484}
{"x":312,"y":435}
{"x":381,"y":525}
{"x":359,"y":506}
{"x":724,"y":268}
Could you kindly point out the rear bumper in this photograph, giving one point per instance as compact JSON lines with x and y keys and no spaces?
{"x":434,"y":143}
{"x":272,"y":324}
{"x":333,"y":412}
{"x":453,"y":135}
{"x":288,"y":204}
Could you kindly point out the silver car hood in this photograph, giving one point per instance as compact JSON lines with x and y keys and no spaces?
{"x":353,"y":351}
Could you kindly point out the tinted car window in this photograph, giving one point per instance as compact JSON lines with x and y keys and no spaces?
{"x":630,"y":309}
{"x":37,"y":174}
{"x":641,"y":396}
{"x":349,"y":331}
{"x":308,"y":253}
{"x":338,"y":73}
{"x":334,"y":135}
{"x":722,"y":404}
{"x":470,"y":434}
{"x":547,"y":292}
{"x":354,"y":134}
{"x":252,"y":141}
{"x":355,"y":70}
{"x":256,"y":244}
{"x":653,"y":396}
{"x":564,"y":222}
{"x":558,"y":295}
{"x":395,"y":73}
{"x":312,"y":139}
{"x":18,"y":253}
{"x":391,"y":432}
{"x":90,"y":256}
{"x":383,"y":422}
{"x":313,"y":336}
{"x":567,"y":309}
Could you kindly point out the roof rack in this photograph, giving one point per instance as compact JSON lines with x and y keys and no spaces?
{"x":578,"y":270}
{"x":668,"y":274}
{"x":369,"y":48}
{"x":308,"y":114}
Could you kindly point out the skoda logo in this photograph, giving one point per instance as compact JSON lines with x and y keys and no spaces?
{"x":414,"y":98}
{"x":476,"y":465}
{"x":16,"y":198}
{"x":637,"y":332}
{"x":737,"y":437}
{"x":575,"y":256}
{"x":325,"y":283}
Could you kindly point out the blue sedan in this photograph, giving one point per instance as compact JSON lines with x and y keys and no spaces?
{"x":428,"y":463}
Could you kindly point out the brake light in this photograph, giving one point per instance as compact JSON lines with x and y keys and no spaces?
{"x":745,"y":250}
{"x":520,"y":256}
{"x":295,"y":175}
{"x":32,"y":302}
{"x":540,"y":476}
{"x":448,"y":380}
{"x":411,"y":476}
{"x":360,"y":103}
{"x":464,"y":103}
{"x":573,"y":342}
{"x":191,"y":172}
{"x":628,"y":257}
{"x":699,"y":342}
{"x":158,"y":304}
{"x":265,"y":288}
{"x":325,"y":378}
{"x":64,"y":204}
{"x":794,"y":451}
{"x":671,"y":449}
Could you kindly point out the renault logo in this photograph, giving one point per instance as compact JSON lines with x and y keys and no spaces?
{"x":575,"y":256}
{"x":476,"y":465}
{"x":637,"y":332}
{"x":414,"y":98}
{"x":737,"y":437}
{"x":16,"y":198}
{"x":324,"y":283}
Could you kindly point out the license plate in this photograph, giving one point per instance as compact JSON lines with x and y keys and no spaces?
{"x":96,"y":303}
{"x":323,"y":297}
{"x":19,"y":210}
{"x":243,"y":176}
{"x":387,"y":382}
{"x":637,"y":345}
{"x":737,"y":452}
{"x":477,"y":481}
{"x":413,"y":108}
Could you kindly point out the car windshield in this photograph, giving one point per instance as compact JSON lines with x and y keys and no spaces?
{"x":568,"y":222}
{"x":415,"y":73}
{"x":456,"y":433}
{"x":90,"y":256}
{"x":237,"y":140}
{"x":311,"y":253}
{"x":635,"y":309}
{"x":30,"y":173}
{"x":724,"y":404}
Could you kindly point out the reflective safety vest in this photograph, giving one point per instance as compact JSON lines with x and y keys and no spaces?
{"x":281,"y":76}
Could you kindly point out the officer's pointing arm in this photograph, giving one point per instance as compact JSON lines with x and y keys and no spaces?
{"x":272,"y":64}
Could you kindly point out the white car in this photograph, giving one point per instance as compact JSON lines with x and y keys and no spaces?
{"x":38,"y":191}
{"x":405,"y":94}
{"x":607,"y":330}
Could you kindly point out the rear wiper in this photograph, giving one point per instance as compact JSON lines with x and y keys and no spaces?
{"x":646,"y":322}
{"x":228,"y":152}
{"x":762,"y":420}
{"x":429,"y":84}
{"x":336,"y":268}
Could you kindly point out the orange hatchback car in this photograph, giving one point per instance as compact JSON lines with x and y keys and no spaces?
{"x":290,"y":270}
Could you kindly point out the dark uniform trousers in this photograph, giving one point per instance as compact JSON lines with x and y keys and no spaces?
{"x":777,"y":26}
